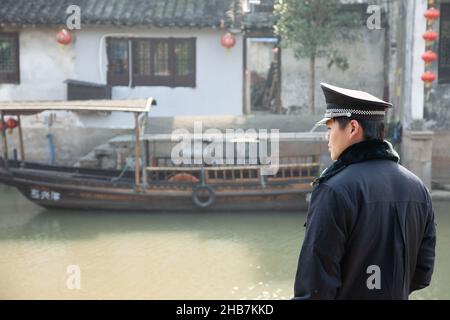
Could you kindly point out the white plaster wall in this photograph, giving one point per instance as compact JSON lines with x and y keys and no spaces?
{"x":418,"y":65}
{"x":365,"y":57}
{"x":45,"y":65}
{"x":218,"y":88}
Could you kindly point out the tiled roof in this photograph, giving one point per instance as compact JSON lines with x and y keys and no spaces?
{"x":153,"y":13}
{"x":261,"y":16}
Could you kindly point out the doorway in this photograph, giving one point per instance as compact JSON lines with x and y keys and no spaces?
{"x":262,"y":75}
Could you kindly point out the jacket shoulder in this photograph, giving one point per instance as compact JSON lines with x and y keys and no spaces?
{"x":384,"y":178}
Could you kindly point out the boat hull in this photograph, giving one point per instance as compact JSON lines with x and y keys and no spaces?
{"x":56,"y":190}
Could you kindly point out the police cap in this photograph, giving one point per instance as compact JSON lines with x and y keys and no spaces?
{"x":351,"y":103}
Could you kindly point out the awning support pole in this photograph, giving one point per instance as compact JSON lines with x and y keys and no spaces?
{"x":144,"y":167}
{"x":137,"y":151}
{"x":5,"y":142}
{"x":22,"y":150}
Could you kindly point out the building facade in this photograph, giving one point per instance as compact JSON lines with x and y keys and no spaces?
{"x":171,"y":50}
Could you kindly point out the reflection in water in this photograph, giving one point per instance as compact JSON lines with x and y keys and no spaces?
{"x":160,"y":256}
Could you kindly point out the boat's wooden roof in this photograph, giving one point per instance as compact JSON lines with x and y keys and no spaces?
{"x":210,"y":137}
{"x":235,"y":167}
{"x":32,"y":107}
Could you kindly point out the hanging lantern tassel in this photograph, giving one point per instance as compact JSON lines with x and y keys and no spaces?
{"x":431,"y":15}
{"x":64,"y":38}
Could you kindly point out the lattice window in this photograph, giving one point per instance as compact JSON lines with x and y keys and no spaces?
{"x":184,"y":61}
{"x":183,"y":58}
{"x":155,"y":62}
{"x":141,"y":61}
{"x":161,"y":58}
{"x":9,"y":58}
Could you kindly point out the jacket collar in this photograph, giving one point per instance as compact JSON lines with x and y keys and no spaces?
{"x":359,"y":152}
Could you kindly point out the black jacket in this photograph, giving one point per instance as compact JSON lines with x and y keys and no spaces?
{"x":367,"y":212}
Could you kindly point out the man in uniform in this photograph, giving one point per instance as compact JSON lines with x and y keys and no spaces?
{"x":370,"y":230}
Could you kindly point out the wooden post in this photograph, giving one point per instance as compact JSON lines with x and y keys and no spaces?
{"x":147,"y":152}
{"x":22,"y":152}
{"x":144,"y":166}
{"x":137,"y":150}
{"x":5,"y":142}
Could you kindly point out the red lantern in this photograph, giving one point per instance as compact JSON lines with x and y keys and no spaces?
{"x":64,"y":37}
{"x":11,"y":123}
{"x":432,"y":14}
{"x":428,"y":77}
{"x":228,"y":40}
{"x":429,"y":56}
{"x":430,"y":35}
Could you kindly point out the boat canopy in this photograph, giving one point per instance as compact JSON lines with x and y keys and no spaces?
{"x":33,"y":107}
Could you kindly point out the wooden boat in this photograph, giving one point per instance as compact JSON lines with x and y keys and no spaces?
{"x":150,"y":188}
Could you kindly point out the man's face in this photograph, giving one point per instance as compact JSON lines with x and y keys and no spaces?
{"x":338,"y":139}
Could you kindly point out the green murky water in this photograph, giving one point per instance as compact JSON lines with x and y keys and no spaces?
{"x":161,"y":256}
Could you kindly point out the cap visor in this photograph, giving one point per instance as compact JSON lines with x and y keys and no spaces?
{"x":322,"y":122}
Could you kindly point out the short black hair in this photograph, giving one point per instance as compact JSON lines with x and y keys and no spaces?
{"x":372,"y":129}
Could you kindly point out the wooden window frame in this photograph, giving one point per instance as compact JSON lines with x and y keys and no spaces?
{"x":140,"y":80}
{"x":171,"y":80}
{"x":12,"y":77}
{"x":164,"y":81}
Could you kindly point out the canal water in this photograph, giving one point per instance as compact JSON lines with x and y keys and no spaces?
{"x":87,"y":255}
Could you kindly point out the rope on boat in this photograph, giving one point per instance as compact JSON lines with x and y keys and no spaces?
{"x":127,"y":166}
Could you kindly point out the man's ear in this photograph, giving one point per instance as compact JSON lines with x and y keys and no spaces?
{"x":355,"y":127}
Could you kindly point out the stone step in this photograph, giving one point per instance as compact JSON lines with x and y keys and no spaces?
{"x":104,"y":151}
